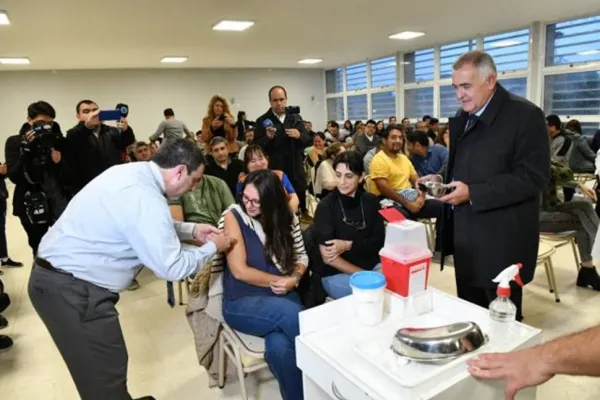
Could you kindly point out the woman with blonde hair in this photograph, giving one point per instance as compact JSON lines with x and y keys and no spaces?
{"x":219,"y":122}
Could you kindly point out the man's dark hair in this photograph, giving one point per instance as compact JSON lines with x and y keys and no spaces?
{"x":386,"y":132}
{"x":433,"y":121}
{"x":333,"y":124}
{"x":40,"y":108}
{"x":418,"y":137}
{"x":352,"y":160}
{"x":217,"y":140}
{"x":553,"y":120}
{"x":86,"y":102}
{"x":277,"y":87}
{"x":404,"y":119}
{"x":392,"y":117}
{"x":426,"y":117}
{"x":140,"y":144}
{"x":169,"y":112}
{"x":179,"y":152}
{"x":321,"y":135}
{"x":371,"y":121}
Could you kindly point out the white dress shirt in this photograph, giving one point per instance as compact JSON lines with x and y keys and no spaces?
{"x":118,"y":221}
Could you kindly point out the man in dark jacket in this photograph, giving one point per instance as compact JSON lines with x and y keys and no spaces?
{"x":5,"y":260}
{"x":283,"y":137}
{"x":498,"y":165}
{"x":93,"y":146}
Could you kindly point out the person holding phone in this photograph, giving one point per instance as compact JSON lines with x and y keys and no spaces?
{"x":219,"y":122}
{"x":93,"y":146}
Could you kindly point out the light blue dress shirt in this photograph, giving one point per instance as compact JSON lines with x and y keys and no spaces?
{"x":117,"y":222}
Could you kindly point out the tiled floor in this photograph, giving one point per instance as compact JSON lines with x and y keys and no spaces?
{"x":162,"y":359}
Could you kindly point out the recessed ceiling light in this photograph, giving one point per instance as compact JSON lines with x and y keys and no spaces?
{"x":4,"y":18}
{"x":310,"y":61}
{"x":505,"y":43}
{"x":232,"y":25}
{"x":14,"y":61}
{"x":588,"y":52}
{"x":406,"y":35}
{"x":173,"y":60}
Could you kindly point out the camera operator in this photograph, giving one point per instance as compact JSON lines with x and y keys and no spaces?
{"x":41,"y":176}
{"x":93,"y":146}
{"x":282,"y":135}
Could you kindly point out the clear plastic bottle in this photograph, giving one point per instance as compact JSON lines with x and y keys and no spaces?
{"x":503,"y":310}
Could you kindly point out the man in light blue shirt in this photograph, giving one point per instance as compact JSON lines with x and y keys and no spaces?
{"x":118,"y":221}
{"x":427,"y":160}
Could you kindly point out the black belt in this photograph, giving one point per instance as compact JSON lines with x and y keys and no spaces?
{"x":40,"y":262}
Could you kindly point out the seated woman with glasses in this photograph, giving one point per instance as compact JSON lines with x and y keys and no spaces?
{"x":262,"y":271}
{"x":348,"y":228}
{"x":256,"y":160}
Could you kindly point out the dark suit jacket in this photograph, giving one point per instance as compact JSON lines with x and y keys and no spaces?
{"x":16,"y":172}
{"x":90,"y":156}
{"x":505,"y":161}
{"x":285,"y":153}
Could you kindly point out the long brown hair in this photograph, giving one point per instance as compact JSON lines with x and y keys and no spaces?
{"x":210,"y":113}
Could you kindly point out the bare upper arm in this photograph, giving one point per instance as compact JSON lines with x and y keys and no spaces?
{"x":236,"y":256}
{"x":176,"y":212}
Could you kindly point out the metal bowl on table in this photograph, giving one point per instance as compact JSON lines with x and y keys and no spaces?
{"x":438,"y":344}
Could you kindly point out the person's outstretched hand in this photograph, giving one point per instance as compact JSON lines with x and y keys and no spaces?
{"x":203,"y":231}
{"x":521,"y":369}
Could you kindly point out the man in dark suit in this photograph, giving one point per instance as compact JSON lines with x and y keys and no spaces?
{"x":5,"y":260}
{"x":498,"y":165}
{"x":284,"y":139}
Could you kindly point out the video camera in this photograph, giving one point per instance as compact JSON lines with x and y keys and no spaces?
{"x":47,"y":136}
{"x":292,"y":110}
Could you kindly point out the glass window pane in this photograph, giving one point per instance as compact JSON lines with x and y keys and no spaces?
{"x":573,"y":42}
{"x":335,"y":109}
{"x":510,"y":50}
{"x":449,"y":104}
{"x":356,"y":76}
{"x":516,"y":86}
{"x":450,"y":52}
{"x":418,"y":102}
{"x":334,"y":81}
{"x":590,"y":128}
{"x":383,"y":72}
{"x":418,"y":66}
{"x":572,"y":94}
{"x":357,"y":107}
{"x":383,"y":105}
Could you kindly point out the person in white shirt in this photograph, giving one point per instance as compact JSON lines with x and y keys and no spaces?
{"x":325,"y":180}
{"x":120,"y":220}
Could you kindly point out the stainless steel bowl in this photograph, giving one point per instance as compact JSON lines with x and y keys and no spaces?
{"x":437,"y":344}
{"x":434,"y":189}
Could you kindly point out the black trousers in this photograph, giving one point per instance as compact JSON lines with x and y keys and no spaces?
{"x":35,"y":233}
{"x":3,"y":244}
{"x":484,"y":296}
{"x":84,"y":324}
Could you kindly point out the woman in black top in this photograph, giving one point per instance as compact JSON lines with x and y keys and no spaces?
{"x":348,"y":228}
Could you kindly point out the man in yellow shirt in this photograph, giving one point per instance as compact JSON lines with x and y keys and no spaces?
{"x":394,"y":177}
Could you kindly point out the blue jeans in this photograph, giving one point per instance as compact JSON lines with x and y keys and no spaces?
{"x":338,"y":286}
{"x":276,"y":319}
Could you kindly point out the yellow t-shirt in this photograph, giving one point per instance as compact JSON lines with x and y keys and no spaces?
{"x":396,"y":170}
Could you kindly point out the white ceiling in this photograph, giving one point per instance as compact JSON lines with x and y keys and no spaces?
{"x":93,"y":34}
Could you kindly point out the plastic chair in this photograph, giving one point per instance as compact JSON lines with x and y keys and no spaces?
{"x":246,"y":351}
{"x":545,"y":253}
{"x":562,"y":239}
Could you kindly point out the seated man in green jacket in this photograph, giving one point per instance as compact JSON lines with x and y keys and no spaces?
{"x":205,"y":204}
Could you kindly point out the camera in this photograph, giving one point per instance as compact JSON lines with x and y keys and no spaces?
{"x":292,"y":110}
{"x":47,"y":136}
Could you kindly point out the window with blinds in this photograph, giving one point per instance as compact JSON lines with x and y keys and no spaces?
{"x":590,"y":128}
{"x":418,"y":66}
{"x":383,"y":105}
{"x":357,"y":107}
{"x":383,"y":72}
{"x":572,"y":94}
{"x":334,"y":81}
{"x":335,"y":109}
{"x":356,"y":77}
{"x":573,"y":42}
{"x":450,"y":52}
{"x":449,"y":104}
{"x":418,"y":102}
{"x":516,"y":86}
{"x":510,"y":50}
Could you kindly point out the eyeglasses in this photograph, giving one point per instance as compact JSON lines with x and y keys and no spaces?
{"x":358,"y":225}
{"x":252,"y":202}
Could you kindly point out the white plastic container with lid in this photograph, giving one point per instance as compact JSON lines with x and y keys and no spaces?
{"x":368,"y":289}
{"x":406,"y":233}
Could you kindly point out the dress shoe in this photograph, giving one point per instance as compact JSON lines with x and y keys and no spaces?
{"x":588,"y":277}
{"x":8,"y":263}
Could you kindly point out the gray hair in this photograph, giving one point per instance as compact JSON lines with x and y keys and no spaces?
{"x":217,"y":140}
{"x":480,"y":60}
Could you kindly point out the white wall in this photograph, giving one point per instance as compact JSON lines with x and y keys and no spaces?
{"x":148,"y":92}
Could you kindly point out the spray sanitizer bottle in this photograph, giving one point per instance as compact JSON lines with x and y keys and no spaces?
{"x":503,"y":309}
